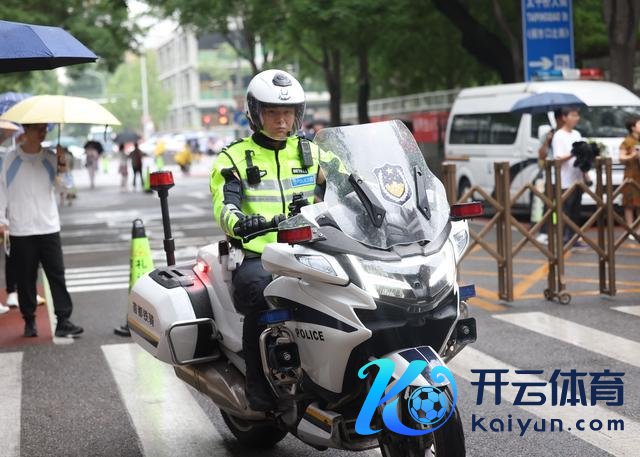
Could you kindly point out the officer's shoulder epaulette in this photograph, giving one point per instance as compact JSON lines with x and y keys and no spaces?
{"x":233,"y":143}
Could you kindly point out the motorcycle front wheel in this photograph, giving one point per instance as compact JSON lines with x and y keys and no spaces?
{"x":251,"y":434}
{"x":447,"y":441}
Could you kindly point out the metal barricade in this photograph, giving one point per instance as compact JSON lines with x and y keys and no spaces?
{"x":500,"y":220}
{"x":602,"y":216}
{"x":555,"y":218}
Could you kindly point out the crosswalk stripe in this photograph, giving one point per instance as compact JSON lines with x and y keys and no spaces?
{"x":588,"y":338}
{"x":98,"y":269}
{"x":10,"y":401}
{"x":102,"y":278}
{"x":156,"y":244}
{"x":125,"y":229}
{"x":99,"y":274}
{"x":95,"y":281}
{"x":111,"y":270}
{"x":98,"y":287}
{"x":634,"y":310}
{"x":166,"y":417}
{"x":619,"y":444}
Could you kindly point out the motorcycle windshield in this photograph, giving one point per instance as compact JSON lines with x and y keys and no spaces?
{"x":379,"y":190}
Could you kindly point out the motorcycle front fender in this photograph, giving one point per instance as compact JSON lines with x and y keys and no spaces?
{"x":402,"y":358}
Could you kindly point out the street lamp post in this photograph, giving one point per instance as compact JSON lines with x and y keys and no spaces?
{"x":146,"y":119}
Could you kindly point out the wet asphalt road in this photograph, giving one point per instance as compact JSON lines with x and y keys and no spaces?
{"x":93,"y":397}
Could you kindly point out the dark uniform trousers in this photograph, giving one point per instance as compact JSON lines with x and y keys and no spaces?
{"x":10,"y":274}
{"x":26,"y":253}
{"x":249,"y":281}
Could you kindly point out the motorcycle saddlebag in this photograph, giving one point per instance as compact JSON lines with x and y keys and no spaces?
{"x":170,"y":316}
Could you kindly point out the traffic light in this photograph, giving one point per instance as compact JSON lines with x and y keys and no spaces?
{"x":206,"y":120}
{"x":223,"y":117}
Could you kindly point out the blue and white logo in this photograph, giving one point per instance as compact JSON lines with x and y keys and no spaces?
{"x":429,"y":406}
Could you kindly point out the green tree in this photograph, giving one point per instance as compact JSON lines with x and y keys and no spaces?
{"x":124,"y":93}
{"x":421,"y":52}
{"x":491,"y":32}
{"x":244,"y":24}
{"x":357,"y":47}
{"x":35,"y":83}
{"x":621,"y":18}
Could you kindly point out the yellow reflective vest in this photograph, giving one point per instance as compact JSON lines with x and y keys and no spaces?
{"x":282,"y":174}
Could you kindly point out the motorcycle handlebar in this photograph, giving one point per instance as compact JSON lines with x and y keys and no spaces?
{"x":272,"y":227}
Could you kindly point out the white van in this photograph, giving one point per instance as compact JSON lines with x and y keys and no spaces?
{"x":481,"y":130}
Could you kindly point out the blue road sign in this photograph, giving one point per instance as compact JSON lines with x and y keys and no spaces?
{"x":547,"y":35}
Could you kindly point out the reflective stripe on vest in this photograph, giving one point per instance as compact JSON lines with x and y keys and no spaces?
{"x":282,"y":176}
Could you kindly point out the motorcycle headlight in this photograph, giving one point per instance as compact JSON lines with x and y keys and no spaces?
{"x":415,"y":278}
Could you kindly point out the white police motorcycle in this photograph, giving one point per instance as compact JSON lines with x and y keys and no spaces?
{"x":368,"y":274}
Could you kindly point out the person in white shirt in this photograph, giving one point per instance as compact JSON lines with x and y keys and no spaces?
{"x":562,"y":144}
{"x":28,"y":187}
{"x":545,"y":152}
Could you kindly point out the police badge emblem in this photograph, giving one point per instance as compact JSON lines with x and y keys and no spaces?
{"x":393,"y":183}
{"x":284,"y":94}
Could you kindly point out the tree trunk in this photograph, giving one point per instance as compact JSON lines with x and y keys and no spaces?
{"x":621,"y":18}
{"x":479,"y":41}
{"x":364,"y":85}
{"x":331,"y":67}
{"x":515,"y":44}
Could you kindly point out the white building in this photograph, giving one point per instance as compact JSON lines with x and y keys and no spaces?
{"x":202,"y":74}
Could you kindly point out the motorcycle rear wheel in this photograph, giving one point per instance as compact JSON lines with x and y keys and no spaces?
{"x":253,"y":435}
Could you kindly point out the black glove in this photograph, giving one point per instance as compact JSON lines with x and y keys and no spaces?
{"x":250,"y":224}
{"x":277,"y":219}
{"x":298,"y":202}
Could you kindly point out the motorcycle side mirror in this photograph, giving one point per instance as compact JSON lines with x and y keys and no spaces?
{"x":460,"y":211}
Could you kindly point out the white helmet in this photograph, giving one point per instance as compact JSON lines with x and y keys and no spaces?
{"x":274,"y":88}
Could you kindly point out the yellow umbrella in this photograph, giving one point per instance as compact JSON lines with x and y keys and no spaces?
{"x":59,"y":109}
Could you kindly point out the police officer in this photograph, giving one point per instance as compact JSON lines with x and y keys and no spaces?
{"x":253,"y":183}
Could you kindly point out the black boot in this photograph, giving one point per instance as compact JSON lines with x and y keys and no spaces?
{"x":259,"y":393}
{"x":30,"y":329}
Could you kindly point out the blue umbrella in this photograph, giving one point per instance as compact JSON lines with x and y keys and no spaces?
{"x":25,"y":47}
{"x":545,"y":102}
{"x":8,"y":99}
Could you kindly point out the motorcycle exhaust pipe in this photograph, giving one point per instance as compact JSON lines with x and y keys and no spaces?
{"x":223,"y":383}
